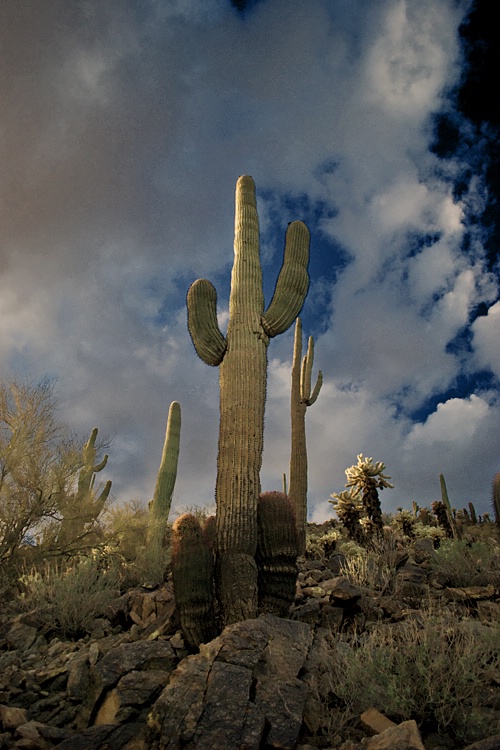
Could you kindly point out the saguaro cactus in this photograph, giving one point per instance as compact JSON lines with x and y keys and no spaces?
{"x":446,"y":502}
{"x":84,"y":507}
{"x":242,"y":356}
{"x":159,"y":507}
{"x":301,"y":398}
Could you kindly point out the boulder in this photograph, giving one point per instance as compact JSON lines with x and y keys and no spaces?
{"x":241,"y":687}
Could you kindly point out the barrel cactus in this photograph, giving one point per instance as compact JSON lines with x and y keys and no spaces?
{"x":277,"y":551}
{"x":192,"y":574}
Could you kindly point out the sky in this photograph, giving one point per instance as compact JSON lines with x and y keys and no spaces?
{"x":123,"y":129}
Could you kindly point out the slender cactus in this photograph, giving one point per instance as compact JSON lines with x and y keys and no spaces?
{"x":495,"y":498}
{"x":159,"y":507}
{"x":472,"y":513}
{"x":242,"y":357}
{"x":301,"y":398}
{"x":84,"y":507}
{"x":446,"y":502}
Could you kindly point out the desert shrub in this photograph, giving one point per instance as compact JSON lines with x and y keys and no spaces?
{"x":374,"y":567}
{"x":433,"y":669}
{"x":461,"y":563}
{"x":322,"y":546}
{"x":67,"y":598}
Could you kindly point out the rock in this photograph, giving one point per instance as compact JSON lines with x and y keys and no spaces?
{"x":375,"y":721}
{"x":342,"y":591}
{"x":124,"y":658}
{"x":468,"y":593}
{"x":490,"y":743}
{"x":240,"y":685}
{"x":404,"y":736}
{"x":12,"y":717}
{"x":133,"y":691}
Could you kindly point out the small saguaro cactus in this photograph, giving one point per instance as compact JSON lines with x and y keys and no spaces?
{"x":159,"y":507}
{"x":277,"y":551}
{"x":192,"y":574}
{"x":84,"y":507}
{"x":446,"y":502}
{"x":242,"y":357}
{"x":301,"y":398}
{"x":495,"y":498}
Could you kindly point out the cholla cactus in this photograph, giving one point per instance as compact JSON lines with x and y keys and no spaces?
{"x":405,"y":521}
{"x":366,"y":478}
{"x":349,"y":510}
{"x":439,"y":510}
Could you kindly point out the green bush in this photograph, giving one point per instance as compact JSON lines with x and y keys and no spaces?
{"x":461,"y":563}
{"x":431,"y":669}
{"x":67,"y":598}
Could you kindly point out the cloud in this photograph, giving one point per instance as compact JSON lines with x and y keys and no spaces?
{"x":122,"y":133}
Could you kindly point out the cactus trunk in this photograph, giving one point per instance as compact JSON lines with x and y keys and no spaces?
{"x":301,"y":398}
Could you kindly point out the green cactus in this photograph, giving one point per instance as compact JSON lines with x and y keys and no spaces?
{"x":83,"y":508}
{"x":159,"y":507}
{"x":349,"y":510}
{"x":441,"y":513}
{"x":367,"y":478}
{"x":415,"y":508}
{"x":446,"y":502}
{"x":277,"y":551}
{"x":301,"y":398}
{"x":192,"y":574}
{"x":472,"y":514}
{"x":495,"y":498}
{"x":242,"y":356}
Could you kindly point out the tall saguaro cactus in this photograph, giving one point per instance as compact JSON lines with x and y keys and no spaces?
{"x":242,"y":357}
{"x":301,"y":398}
{"x":84,"y":507}
{"x":165,"y":482}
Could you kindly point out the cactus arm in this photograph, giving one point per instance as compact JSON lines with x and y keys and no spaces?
{"x":305,"y":378}
{"x":292,"y":284}
{"x":203,"y":328}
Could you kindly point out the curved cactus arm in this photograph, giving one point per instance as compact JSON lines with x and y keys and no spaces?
{"x":203,"y":327}
{"x":292,"y":284}
{"x":306,"y":396}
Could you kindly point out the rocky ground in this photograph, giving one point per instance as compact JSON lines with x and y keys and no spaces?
{"x":131,"y":684}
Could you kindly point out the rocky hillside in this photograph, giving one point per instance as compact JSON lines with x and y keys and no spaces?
{"x":319,"y":679}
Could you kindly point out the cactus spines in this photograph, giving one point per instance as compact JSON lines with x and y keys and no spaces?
{"x":84,"y":507}
{"x":301,"y":398}
{"x":192,"y":574}
{"x":242,"y":357}
{"x":367,"y":478}
{"x":495,"y":498}
{"x":162,"y":499}
{"x":277,"y":551}
{"x":349,"y":511}
{"x":446,"y":502}
{"x":439,"y":510}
